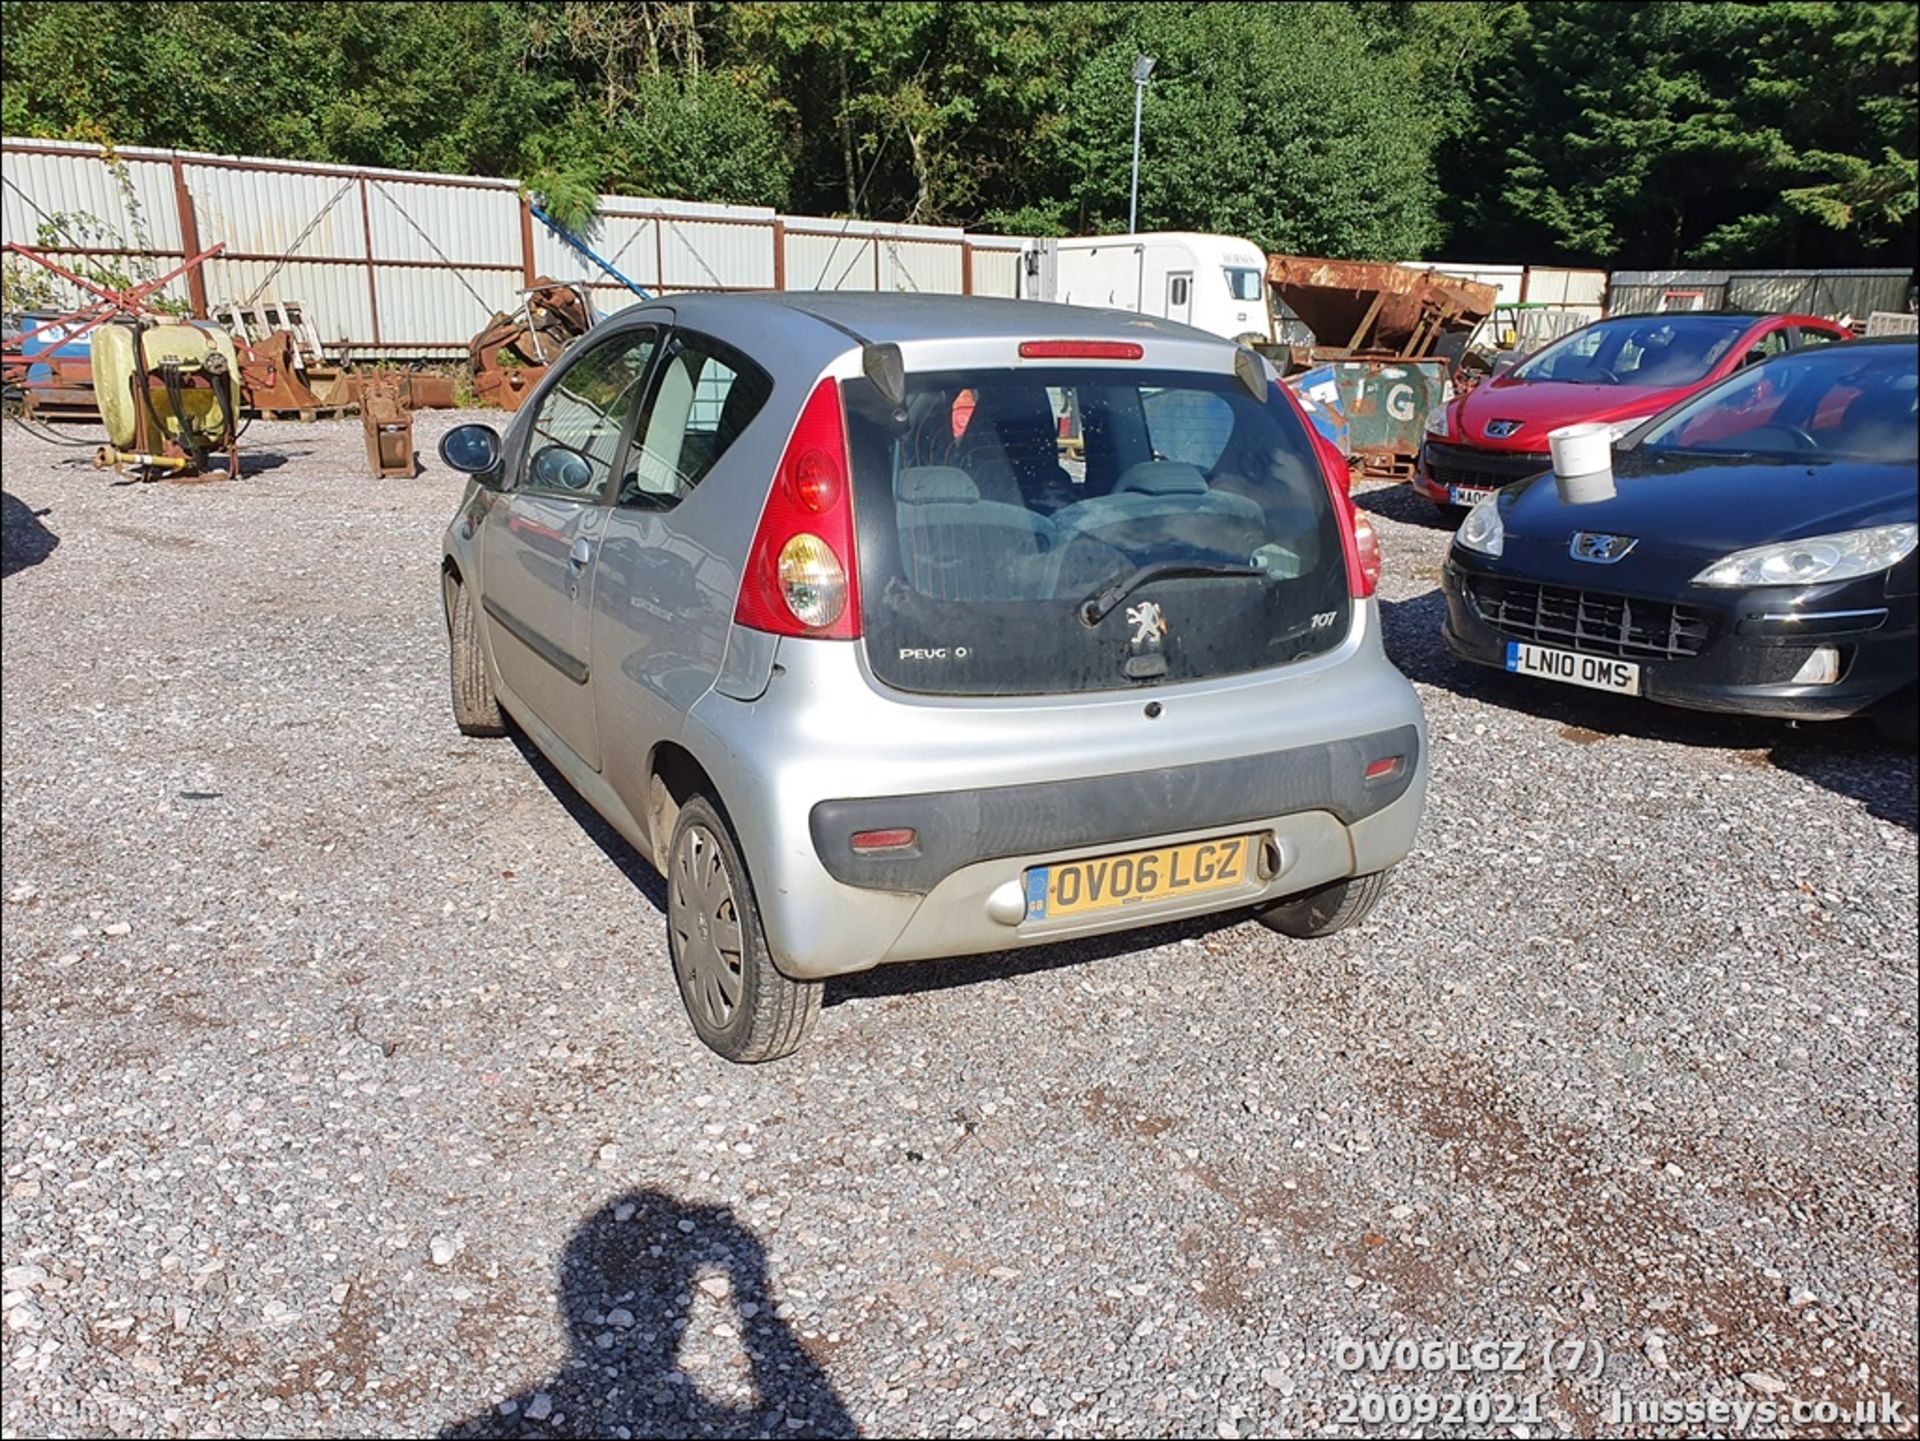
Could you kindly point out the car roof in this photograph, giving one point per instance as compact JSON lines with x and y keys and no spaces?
{"x":880,"y":318}
{"x":1754,"y":316}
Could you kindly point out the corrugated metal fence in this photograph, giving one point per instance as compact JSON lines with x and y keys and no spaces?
{"x":1832,"y":293}
{"x":406,"y":264}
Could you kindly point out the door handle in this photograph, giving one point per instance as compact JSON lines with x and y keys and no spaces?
{"x":581,"y":553}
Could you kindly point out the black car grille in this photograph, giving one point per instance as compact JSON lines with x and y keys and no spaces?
{"x":1491,"y":469}
{"x":1589,"y":621}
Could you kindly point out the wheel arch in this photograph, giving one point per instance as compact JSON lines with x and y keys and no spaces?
{"x":674,"y":775}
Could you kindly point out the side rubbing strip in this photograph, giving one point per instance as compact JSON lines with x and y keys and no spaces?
{"x":573,"y":668}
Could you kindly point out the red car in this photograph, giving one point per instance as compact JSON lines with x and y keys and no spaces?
{"x":1621,"y":371}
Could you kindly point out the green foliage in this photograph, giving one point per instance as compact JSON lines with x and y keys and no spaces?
{"x":1659,"y":134}
{"x":25,"y":286}
{"x":1583,"y":130}
{"x":1260,"y":120}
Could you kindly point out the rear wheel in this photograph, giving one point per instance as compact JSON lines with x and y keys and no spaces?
{"x":739,"y":1003}
{"x":1329,"y":909}
{"x":476,"y":711}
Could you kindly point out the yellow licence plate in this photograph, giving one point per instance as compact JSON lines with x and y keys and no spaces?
{"x":1105,"y":883}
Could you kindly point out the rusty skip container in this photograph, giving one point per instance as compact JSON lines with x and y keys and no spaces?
{"x":1389,"y":335}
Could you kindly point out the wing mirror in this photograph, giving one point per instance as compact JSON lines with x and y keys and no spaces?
{"x":471,"y":449}
{"x":560,"y":467}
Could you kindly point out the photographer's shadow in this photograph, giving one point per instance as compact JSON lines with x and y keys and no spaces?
{"x":628,"y":1284}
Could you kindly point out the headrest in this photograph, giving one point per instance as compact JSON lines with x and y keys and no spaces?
{"x":926,"y":484}
{"x":1162,"y":477}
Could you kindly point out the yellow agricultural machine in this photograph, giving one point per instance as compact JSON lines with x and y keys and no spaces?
{"x":168,"y":391}
{"x":169,"y":396}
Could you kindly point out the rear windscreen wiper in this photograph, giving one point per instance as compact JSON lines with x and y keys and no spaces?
{"x":1096,"y":607}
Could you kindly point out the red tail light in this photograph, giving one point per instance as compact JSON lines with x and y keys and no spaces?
{"x":1366,"y":550}
{"x":801,"y":577}
{"x":1357,"y":536}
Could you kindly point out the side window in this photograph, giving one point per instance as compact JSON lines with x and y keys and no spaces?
{"x":574,"y":443}
{"x":1177,"y":291}
{"x":1773,"y":343}
{"x":707,"y":394}
{"x":1815,"y":337}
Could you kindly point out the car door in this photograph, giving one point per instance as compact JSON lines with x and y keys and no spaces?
{"x":542,"y":543}
{"x":664,"y":594}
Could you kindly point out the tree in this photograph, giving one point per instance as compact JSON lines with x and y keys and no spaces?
{"x":1780,"y":133}
{"x":1267,"y":121}
{"x":421,"y":86}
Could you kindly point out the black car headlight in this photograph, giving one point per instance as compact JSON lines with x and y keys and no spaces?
{"x":1483,"y":532}
{"x":1844,"y":555}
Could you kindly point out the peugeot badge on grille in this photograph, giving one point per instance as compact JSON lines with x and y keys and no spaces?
{"x":1501,"y":429}
{"x":1599,"y":548}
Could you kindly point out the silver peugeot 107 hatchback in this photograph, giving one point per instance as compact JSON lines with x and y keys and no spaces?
{"x":891,"y":627}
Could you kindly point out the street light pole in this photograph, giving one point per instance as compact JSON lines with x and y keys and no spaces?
{"x":1142,"y":68}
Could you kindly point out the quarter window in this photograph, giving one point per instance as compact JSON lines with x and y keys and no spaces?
{"x":576,"y":437}
{"x":706,"y":396}
{"x":1773,"y":343}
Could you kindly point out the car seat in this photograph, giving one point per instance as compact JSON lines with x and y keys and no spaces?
{"x":1012,"y":450}
{"x":956,"y":546}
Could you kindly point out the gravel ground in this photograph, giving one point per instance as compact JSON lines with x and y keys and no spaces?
{"x":347,"y":1090}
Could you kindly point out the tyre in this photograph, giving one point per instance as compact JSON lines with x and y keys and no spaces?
{"x":475,"y":709}
{"x":1329,"y":909}
{"x":739,"y":1003}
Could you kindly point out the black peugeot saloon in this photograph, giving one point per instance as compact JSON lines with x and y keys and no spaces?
{"x":1752,"y":550}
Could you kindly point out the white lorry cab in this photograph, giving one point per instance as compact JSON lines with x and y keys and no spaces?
{"x":1216,"y":283}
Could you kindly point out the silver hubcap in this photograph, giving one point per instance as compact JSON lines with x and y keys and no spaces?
{"x":705,"y":924}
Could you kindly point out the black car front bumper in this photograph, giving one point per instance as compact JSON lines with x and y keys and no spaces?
{"x":1732,"y":651}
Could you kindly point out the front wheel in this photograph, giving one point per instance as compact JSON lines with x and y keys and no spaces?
{"x":739,"y":1003}
{"x":475,"y":709}
{"x":1329,"y":909}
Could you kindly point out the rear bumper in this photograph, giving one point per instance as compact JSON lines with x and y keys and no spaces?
{"x":1748,"y":664}
{"x":994,"y":788}
{"x":973,"y":910}
{"x":961,"y":828}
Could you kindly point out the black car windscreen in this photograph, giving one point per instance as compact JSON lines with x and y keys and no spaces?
{"x":1855,"y":402}
{"x":1063,"y":529}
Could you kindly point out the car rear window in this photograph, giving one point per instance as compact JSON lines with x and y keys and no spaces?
{"x":994,"y":505}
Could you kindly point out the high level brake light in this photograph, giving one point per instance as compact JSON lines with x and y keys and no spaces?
{"x":800,"y":578}
{"x":1080,"y":350}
